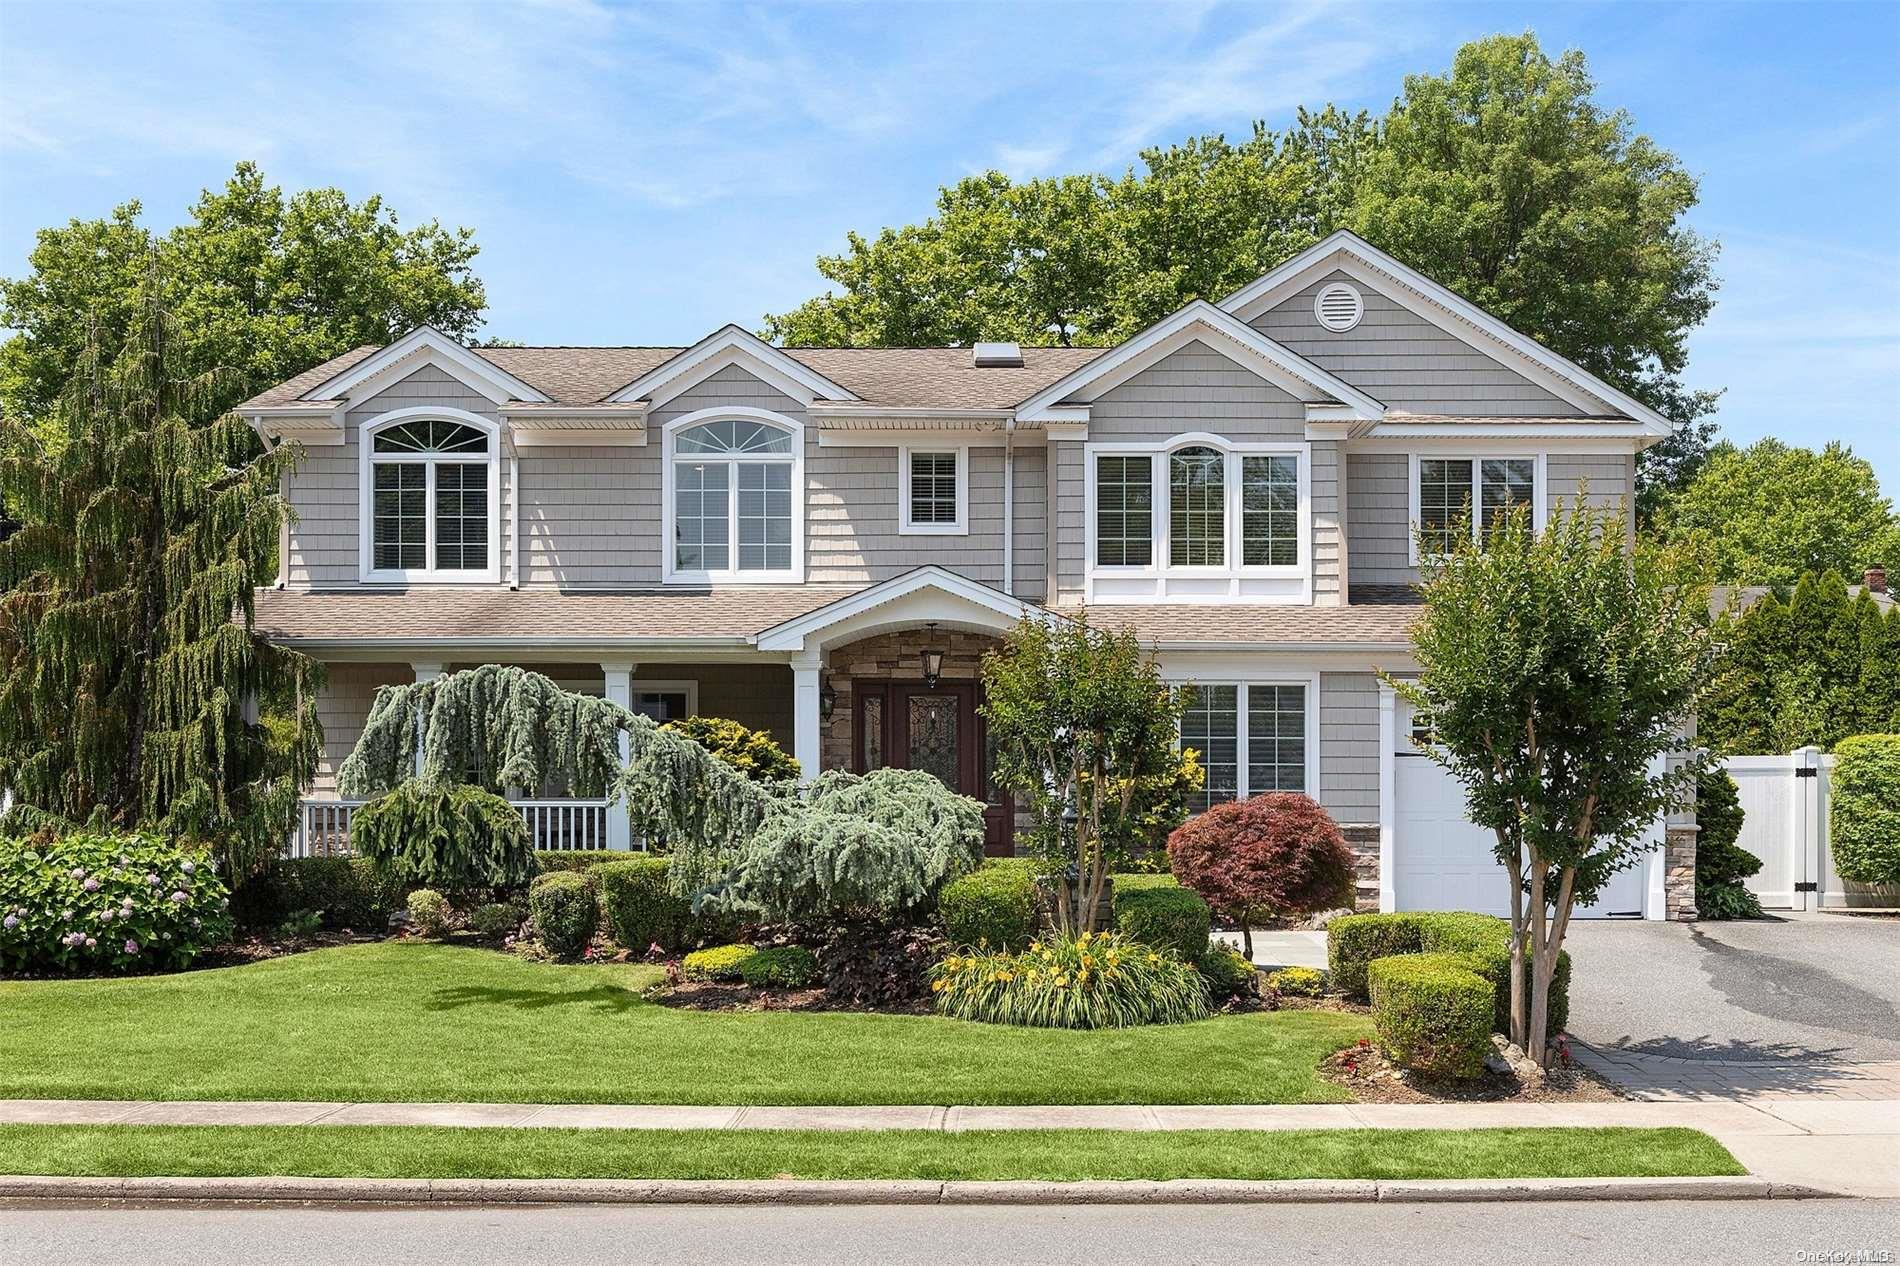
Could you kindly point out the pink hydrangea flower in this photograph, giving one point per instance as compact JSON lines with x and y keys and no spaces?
{"x":79,"y":872}
{"x":153,"y":880}
{"x":190,"y":868}
{"x":180,"y":898}
{"x":91,"y":885}
{"x":91,"y":943}
{"x":9,"y":923}
{"x":131,"y":946}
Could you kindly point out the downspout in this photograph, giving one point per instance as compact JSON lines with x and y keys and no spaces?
{"x":1009,"y":505}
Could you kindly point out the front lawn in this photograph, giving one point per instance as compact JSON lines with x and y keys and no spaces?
{"x":1059,"y":1155}
{"x":418,"y":1022}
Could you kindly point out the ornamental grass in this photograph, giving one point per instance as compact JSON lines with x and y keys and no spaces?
{"x":1097,"y":980}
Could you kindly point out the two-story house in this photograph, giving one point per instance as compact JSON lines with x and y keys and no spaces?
{"x":822,"y":543}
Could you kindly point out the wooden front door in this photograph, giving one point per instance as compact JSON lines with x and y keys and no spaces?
{"x":910,"y":725}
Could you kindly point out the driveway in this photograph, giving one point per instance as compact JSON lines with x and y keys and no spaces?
{"x":1814,"y":988}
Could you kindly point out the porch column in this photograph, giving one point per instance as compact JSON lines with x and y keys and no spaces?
{"x":805,"y":729}
{"x":618,"y":674}
{"x":424,"y":671}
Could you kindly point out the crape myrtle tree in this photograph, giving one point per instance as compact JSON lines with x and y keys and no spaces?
{"x":1557,"y":670}
{"x":134,"y":692}
{"x":1083,"y":727}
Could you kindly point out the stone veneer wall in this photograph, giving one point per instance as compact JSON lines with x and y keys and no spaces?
{"x":1363,"y":840}
{"x":1679,"y":872}
{"x":890,"y":657}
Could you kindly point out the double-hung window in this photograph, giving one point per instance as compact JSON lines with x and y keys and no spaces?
{"x":1197,"y":519}
{"x":430,"y":501}
{"x":1251,"y":737}
{"x":733,"y":501}
{"x":933,"y":491}
{"x":1454,"y":496}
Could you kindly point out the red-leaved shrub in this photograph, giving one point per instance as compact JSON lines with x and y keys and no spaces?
{"x":1278,"y":854}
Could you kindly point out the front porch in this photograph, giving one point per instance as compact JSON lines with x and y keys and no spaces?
{"x":888,"y":676}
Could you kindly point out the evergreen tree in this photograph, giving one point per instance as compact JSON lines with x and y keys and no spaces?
{"x":130,"y":677}
{"x":1736,"y":718}
{"x":1877,"y":682}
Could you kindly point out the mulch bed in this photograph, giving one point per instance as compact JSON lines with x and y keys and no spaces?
{"x":703,"y":995}
{"x":256,"y":949}
{"x":1372,"y":1078}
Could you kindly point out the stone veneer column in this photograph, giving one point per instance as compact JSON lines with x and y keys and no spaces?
{"x":1679,"y":872}
{"x":1363,"y":839}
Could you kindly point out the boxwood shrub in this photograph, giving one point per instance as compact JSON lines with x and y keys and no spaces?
{"x":1355,"y":941}
{"x":547,"y":859}
{"x":346,"y":890}
{"x":107,"y":903}
{"x":785,"y":967}
{"x":1864,"y":817}
{"x":993,"y":907}
{"x":566,"y":912}
{"x":717,"y":962}
{"x":1156,"y":911}
{"x":1432,"y":1012}
{"x":641,"y":910}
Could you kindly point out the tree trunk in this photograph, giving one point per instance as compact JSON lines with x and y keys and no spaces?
{"x":1533,"y":1042}
{"x":1520,"y":1022}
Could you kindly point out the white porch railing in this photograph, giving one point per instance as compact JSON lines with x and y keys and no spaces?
{"x":323,"y":826}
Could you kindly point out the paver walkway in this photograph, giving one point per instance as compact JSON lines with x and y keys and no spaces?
{"x":1851,"y":1147}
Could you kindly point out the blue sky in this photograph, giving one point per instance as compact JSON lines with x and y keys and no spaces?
{"x":645,"y":174}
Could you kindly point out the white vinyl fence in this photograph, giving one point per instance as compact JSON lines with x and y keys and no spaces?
{"x":1784,"y":822}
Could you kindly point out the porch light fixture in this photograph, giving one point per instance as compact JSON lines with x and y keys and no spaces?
{"x":827,"y":699}
{"x":932,"y":657}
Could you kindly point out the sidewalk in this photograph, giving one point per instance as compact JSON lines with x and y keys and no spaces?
{"x":1850,"y":1147}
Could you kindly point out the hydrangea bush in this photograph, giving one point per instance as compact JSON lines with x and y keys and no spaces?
{"x":108,"y":903}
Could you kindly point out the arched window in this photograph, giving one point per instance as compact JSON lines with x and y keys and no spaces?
{"x":1197,"y":508}
{"x":430,"y":493}
{"x":733,"y":491}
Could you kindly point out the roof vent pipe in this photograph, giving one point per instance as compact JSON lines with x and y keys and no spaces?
{"x":997,"y":356}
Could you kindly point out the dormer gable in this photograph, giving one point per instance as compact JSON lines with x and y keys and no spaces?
{"x":730,"y":345}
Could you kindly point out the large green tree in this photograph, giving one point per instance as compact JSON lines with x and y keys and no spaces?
{"x":1771,"y":513}
{"x":1503,"y":178}
{"x":133,"y":691}
{"x":256,"y":283}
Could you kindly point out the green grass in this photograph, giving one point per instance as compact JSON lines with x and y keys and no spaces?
{"x":1060,"y":1155}
{"x":411,"y":1022}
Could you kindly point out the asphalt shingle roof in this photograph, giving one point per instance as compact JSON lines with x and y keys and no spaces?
{"x":896,"y":377}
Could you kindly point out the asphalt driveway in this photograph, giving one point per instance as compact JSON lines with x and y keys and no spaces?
{"x":1809,"y":987}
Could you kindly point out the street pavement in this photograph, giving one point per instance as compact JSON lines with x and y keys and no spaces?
{"x":1523,"y":1234}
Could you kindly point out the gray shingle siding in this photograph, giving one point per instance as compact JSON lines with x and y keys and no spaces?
{"x":1405,"y":361}
{"x":1379,"y":505}
{"x":1327,"y":522}
{"x":1070,"y":508}
{"x":1197,"y":389}
{"x":1349,"y":746}
{"x":1031,"y":524}
{"x":326,"y":490}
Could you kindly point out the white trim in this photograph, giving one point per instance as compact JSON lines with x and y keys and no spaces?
{"x":726,"y":346}
{"x":895,"y":437}
{"x":1346,"y":252}
{"x":1540,"y":484}
{"x":906,"y":526}
{"x":965,"y":602}
{"x":1339,"y":288}
{"x":919,"y":417}
{"x":682,"y":686}
{"x":1198,"y":321}
{"x":1388,"y":798}
{"x":426,"y":345}
{"x":367,"y":460}
{"x":807,"y":715}
{"x":731,"y":575}
{"x":1260,"y":676}
{"x":1161,"y":581}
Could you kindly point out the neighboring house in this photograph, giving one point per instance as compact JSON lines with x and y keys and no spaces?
{"x":822,"y":543}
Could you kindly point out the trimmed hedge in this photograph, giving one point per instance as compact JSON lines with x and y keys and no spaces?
{"x":1298,"y":982}
{"x":1864,"y":817}
{"x":547,"y":859}
{"x":565,"y":910}
{"x":347,"y":890}
{"x":1355,"y":941}
{"x":786,"y":967}
{"x":717,"y":962}
{"x":1163,"y":915}
{"x":1433,"y":1014}
{"x":641,"y":909}
{"x":993,"y":907}
{"x":1228,"y":973}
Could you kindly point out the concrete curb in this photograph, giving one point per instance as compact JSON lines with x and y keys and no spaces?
{"x":507,"y":1191}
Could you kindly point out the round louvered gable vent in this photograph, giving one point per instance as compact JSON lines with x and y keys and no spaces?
{"x":1339,"y":307}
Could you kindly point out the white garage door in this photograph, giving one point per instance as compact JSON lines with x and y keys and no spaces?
{"x":1441,"y":861}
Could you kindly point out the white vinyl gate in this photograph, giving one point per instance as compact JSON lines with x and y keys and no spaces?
{"x":1784,"y":822}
